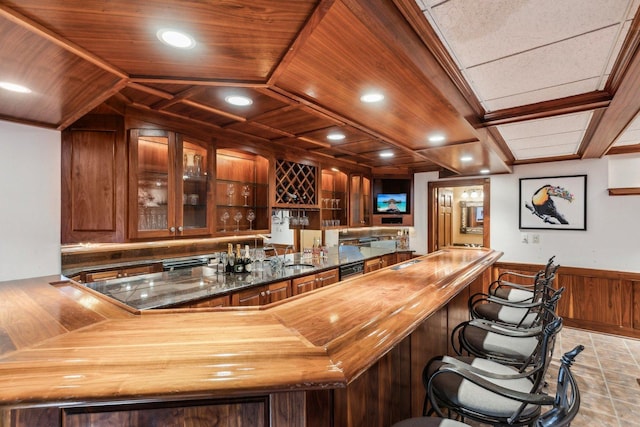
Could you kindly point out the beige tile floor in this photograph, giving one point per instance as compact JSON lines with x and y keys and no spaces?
{"x":608,"y":375}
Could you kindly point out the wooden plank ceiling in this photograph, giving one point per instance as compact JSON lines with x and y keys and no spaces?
{"x":305,"y":65}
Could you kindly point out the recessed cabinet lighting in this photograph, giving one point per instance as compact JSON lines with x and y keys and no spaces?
{"x":14,"y":87}
{"x":386,"y":154}
{"x":336,"y":136}
{"x":466,"y":158}
{"x":372,"y":97}
{"x":176,"y":38}
{"x":484,"y":171}
{"x":241,"y":101}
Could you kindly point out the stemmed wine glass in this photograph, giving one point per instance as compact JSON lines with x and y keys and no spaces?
{"x":259,"y":257}
{"x":231,"y":190}
{"x":237,"y":217}
{"x":245,"y":193}
{"x":224,"y":218}
{"x":251,"y":215}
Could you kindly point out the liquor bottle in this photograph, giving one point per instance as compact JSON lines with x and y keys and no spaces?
{"x":248,"y":262}
{"x":230,"y":259}
{"x":239,"y":265}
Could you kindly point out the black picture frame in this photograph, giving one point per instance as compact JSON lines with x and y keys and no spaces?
{"x":553,"y":203}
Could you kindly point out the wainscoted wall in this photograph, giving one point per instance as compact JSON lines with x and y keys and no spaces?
{"x":598,"y":300}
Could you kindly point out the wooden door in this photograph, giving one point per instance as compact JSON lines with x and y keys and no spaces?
{"x":445,"y":227}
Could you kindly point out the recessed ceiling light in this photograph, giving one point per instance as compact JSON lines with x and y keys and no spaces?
{"x":436,"y":137}
{"x":335,"y":169}
{"x":14,"y":87}
{"x":336,"y":136}
{"x":372,"y":97}
{"x":466,"y":158}
{"x":239,"y":100}
{"x":176,"y":38}
{"x":484,"y":171}
{"x":386,"y":154}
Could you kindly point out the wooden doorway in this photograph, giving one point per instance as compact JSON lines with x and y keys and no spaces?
{"x":442,"y":208}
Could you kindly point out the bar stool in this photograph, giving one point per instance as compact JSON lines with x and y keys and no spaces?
{"x":429,"y":422}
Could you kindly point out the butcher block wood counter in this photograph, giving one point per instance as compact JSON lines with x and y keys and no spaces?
{"x":72,"y":357}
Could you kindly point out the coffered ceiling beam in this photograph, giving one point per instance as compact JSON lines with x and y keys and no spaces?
{"x":539,"y":110}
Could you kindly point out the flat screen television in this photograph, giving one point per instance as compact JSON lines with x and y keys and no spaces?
{"x":391,"y":203}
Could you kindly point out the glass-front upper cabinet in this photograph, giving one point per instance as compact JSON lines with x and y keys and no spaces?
{"x":169,"y":185}
{"x":242,"y":193}
{"x":359,"y":201}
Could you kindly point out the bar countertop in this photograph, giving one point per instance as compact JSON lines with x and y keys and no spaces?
{"x":62,"y":344}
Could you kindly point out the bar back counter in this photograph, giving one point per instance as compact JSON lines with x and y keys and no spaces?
{"x":348,"y":354}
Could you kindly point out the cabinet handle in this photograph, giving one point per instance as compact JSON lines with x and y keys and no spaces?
{"x":180,"y":229}
{"x":172,"y":229}
{"x":262,"y":294}
{"x":268,"y":292}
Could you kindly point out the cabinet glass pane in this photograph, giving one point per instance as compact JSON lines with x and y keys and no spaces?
{"x":153,"y":181}
{"x":194,"y":186}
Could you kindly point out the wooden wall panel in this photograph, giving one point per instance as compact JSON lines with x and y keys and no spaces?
{"x":598,"y":300}
{"x":635,"y":309}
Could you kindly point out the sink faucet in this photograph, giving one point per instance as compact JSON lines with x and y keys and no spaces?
{"x":284,"y":254}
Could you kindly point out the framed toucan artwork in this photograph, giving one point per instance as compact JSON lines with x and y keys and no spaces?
{"x":553,"y":202}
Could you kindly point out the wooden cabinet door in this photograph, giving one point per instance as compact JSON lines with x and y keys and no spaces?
{"x":304,"y":284}
{"x":387,"y":260}
{"x":252,"y":296}
{"x":277,"y":291}
{"x":403,"y":256}
{"x":327,"y":278}
{"x":222,"y":301}
{"x":94,"y":181}
{"x":372,"y":265}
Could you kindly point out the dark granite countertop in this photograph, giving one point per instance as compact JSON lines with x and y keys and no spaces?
{"x":172,"y":288}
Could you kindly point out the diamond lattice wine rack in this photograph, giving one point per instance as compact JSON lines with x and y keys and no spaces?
{"x":295,"y":183}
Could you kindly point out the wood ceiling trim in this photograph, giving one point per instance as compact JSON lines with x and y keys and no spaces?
{"x":187,"y":93}
{"x":625,"y":56}
{"x":539,"y":110}
{"x":341,"y":121}
{"x":95,"y":102}
{"x":46,"y":33}
{"x":213,"y":110}
{"x":420,"y":25}
{"x":619,"y":114}
{"x":596,"y":117}
{"x":547,"y":159}
{"x":196,"y":82}
{"x":262,"y":126}
{"x":307,"y":29}
{"x":624,"y":149}
{"x":501,"y":144}
{"x":150,"y":90}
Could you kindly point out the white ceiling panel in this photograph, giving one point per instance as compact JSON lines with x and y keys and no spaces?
{"x":541,"y":95}
{"x":547,"y":126}
{"x":522,"y":52}
{"x":631,"y":135}
{"x":546,"y":141}
{"x":572,"y":60}
{"x":483,"y":31}
{"x":548,"y":151}
{"x":548,"y":137}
